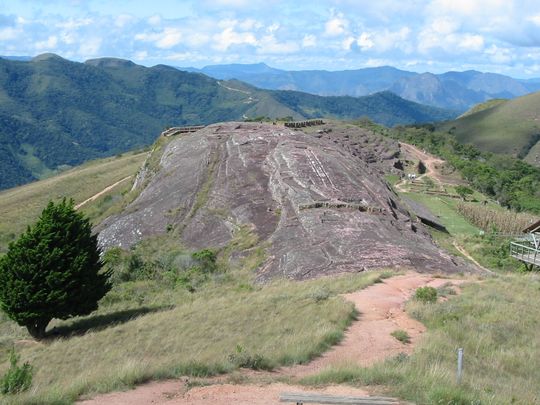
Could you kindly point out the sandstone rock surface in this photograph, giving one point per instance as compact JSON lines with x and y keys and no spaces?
{"x":317,"y":201}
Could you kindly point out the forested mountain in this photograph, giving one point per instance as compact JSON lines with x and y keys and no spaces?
{"x":451,"y":90}
{"x":56,"y":113}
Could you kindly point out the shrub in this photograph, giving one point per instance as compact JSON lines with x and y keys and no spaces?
{"x":243,"y":359}
{"x":53,"y":270}
{"x":401,"y":335}
{"x":426,"y":294}
{"x":17,"y":379}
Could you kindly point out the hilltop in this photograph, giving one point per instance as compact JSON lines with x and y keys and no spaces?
{"x":55,"y":113}
{"x":511,"y":126}
{"x":317,"y":199}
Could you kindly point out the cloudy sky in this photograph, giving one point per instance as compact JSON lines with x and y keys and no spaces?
{"x":420,"y":35}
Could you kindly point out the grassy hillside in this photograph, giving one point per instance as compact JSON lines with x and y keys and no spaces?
{"x":495,"y":322}
{"x":511,"y":127}
{"x":55,"y":114}
{"x":21,"y":206}
{"x":384,"y":107}
{"x":484,"y":106}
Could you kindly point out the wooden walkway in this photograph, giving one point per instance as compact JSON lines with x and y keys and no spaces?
{"x":303,"y":398}
{"x":525,"y":253}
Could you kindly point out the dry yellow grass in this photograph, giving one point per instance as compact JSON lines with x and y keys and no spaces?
{"x":499,"y":220}
{"x":496,"y":322}
{"x":21,"y":206}
{"x":283,"y":322}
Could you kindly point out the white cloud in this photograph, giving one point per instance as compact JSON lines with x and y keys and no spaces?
{"x":165,"y":39}
{"x":335,"y":26}
{"x":9,"y":33}
{"x":268,"y":44}
{"x":365,"y":42}
{"x":75,"y":23}
{"x":229,"y":37}
{"x":347,"y":43}
{"x":123,"y":19}
{"x":90,"y":47}
{"x":154,"y":20}
{"x":49,"y":44}
{"x":499,"y":55}
{"x":471,"y":42}
{"x":535,"y":19}
{"x":309,"y":41}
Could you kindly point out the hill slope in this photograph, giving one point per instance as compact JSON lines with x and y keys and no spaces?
{"x":508,"y":127}
{"x":316,"y":202}
{"x":55,"y":113}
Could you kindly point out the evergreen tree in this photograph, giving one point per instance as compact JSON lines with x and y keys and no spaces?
{"x":52,"y":270}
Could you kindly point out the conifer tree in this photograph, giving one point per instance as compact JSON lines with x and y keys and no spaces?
{"x":52,"y":270}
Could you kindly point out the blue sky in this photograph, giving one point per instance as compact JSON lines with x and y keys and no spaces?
{"x":421,"y":35}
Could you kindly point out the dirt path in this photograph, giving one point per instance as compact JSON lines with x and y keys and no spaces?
{"x":429,"y":161}
{"x":462,"y":250}
{"x":367,"y":341}
{"x":106,"y":189}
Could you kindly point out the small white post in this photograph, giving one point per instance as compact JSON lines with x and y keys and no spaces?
{"x":459,"y":365}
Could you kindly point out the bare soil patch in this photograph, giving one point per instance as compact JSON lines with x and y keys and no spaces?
{"x":366,"y":342}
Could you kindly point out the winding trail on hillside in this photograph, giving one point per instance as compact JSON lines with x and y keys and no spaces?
{"x":105,"y":190}
{"x":462,"y":250}
{"x":381,"y":309}
{"x":429,"y":161}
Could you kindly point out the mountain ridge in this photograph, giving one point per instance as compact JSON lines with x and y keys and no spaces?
{"x":56,"y":113}
{"x":450,"y":90}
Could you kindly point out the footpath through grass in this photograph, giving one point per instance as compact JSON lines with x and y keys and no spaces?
{"x":145,"y":331}
{"x":22,"y":205}
{"x":495,"y":322}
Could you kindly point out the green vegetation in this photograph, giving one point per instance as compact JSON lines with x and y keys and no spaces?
{"x":495,"y":322}
{"x":151,"y":325}
{"x":384,"y":107}
{"x":18,"y":378}
{"x":484,"y":106}
{"x":511,"y":181}
{"x":463,"y":192}
{"x":426,"y":294}
{"x":21,"y":206}
{"x":52,"y":270}
{"x":505,"y":127}
{"x":402,"y":336}
{"x":55,"y":114}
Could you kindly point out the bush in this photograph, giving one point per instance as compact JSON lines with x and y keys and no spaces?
{"x":246,"y":360}
{"x":17,"y":379}
{"x":401,"y":335}
{"x":426,"y":294}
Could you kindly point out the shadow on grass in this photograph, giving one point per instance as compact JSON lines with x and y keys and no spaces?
{"x":100,"y":322}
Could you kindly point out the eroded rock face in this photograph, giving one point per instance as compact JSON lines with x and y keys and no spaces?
{"x":314,"y":200}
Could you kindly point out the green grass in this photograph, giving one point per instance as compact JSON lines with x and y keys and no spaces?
{"x":508,"y":127}
{"x":444,"y":208}
{"x":401,"y":335}
{"x":21,"y":206}
{"x":484,"y":106}
{"x":146,"y":330}
{"x":495,"y":322}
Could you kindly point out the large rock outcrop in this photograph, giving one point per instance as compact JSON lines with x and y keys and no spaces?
{"x":317,"y":201}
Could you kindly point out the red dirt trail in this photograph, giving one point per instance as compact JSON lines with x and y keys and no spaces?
{"x":367,"y":341}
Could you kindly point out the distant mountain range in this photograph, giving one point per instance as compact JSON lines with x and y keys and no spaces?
{"x":452,"y":90}
{"x":55,"y":113}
